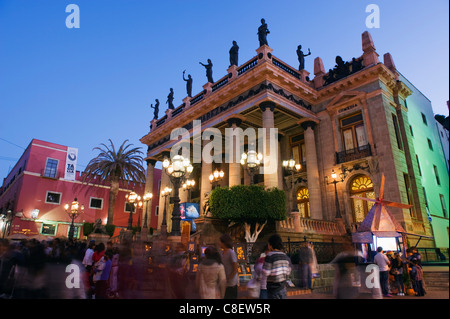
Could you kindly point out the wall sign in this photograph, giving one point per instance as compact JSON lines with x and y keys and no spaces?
{"x":71,"y":164}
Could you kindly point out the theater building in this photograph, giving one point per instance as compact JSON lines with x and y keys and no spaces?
{"x":44,"y":179}
{"x":351,"y":120}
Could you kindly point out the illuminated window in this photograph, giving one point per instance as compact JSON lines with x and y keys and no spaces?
{"x":303,"y":202}
{"x":361,"y":186}
{"x":353,"y":132}
{"x":298,"y":149}
{"x":48,"y":229}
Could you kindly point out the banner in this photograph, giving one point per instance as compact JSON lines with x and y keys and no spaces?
{"x":71,"y":164}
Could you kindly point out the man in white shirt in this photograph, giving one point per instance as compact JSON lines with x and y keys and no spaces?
{"x":87,"y":260}
{"x":383,"y":264}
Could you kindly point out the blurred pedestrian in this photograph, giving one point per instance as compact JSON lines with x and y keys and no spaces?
{"x":277,"y":268}
{"x":87,"y":260}
{"x":178,"y":268}
{"x":416,"y":274}
{"x":259,"y":274}
{"x":210,"y":279}
{"x":397,"y":272}
{"x":99,"y":251}
{"x":383,"y":264}
{"x":102,"y":270}
{"x":306,"y":260}
{"x":230,"y":262}
{"x":113,"y":281}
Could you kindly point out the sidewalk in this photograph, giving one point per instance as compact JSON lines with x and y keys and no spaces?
{"x":430,"y":295}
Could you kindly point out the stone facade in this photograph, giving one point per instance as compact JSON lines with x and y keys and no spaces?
{"x":351,"y":120}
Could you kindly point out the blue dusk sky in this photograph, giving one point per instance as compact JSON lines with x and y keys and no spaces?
{"x":80,"y":87}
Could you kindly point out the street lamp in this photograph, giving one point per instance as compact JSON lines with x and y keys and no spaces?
{"x":216,"y":177}
{"x":190,"y":183}
{"x":147,"y":199}
{"x":335,"y":181}
{"x":291,"y":167}
{"x":178,"y":169}
{"x":135,"y":200}
{"x":73,"y":210}
{"x":164,"y":193}
{"x":251,"y":161}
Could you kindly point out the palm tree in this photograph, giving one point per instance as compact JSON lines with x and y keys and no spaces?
{"x":113,"y":167}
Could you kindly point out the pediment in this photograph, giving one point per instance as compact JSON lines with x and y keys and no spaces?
{"x":344,"y":98}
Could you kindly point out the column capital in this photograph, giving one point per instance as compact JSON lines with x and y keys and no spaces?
{"x":165,"y":154}
{"x":306,"y":124}
{"x":267,"y":104}
{"x":151,"y":161}
{"x":235,"y":119}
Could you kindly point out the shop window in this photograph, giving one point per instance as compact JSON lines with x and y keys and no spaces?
{"x":48,"y":229}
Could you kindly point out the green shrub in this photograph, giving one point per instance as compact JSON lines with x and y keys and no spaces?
{"x":88,"y":228}
{"x":110,"y":229}
{"x":248,"y":204}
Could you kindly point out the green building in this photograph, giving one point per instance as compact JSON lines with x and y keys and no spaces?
{"x":431,"y":162}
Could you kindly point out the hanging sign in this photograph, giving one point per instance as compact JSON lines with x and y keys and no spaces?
{"x":71,"y":164}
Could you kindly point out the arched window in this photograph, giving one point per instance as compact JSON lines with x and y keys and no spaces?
{"x":361,"y":186}
{"x":303,"y":202}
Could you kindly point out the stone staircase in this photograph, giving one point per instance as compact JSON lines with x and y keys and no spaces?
{"x":436,"y":279}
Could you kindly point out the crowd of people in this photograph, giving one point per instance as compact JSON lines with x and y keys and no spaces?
{"x":393,"y":268}
{"x":67,"y":269}
{"x":40,"y":269}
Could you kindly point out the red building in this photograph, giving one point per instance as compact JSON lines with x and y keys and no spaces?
{"x":44,"y":179}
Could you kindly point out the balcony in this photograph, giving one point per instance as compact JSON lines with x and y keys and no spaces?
{"x":314,"y":226}
{"x":353,"y":154}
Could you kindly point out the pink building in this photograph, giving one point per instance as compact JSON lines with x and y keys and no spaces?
{"x":44,"y":179}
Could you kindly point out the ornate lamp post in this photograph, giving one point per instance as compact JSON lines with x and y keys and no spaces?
{"x":335,"y":181}
{"x":190,"y":183}
{"x":178,"y":169}
{"x":291,"y":168}
{"x":73,"y":210}
{"x":251,"y":162}
{"x":148,"y":200}
{"x":135,"y":200}
{"x":164,"y":193}
{"x":216,"y":177}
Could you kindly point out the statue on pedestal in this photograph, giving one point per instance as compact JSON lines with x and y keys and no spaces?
{"x":263,"y":31}
{"x":156,"y":107}
{"x":234,"y":53}
{"x":170,"y":100}
{"x":208,"y":68}
{"x":301,"y":57}
{"x":188,"y":84}
{"x":98,"y":227}
{"x":206,"y":211}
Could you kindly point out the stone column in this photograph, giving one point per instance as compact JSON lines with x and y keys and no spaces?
{"x":234,"y":165}
{"x":148,"y":189}
{"x":205,"y":186}
{"x":271,"y":156}
{"x":312,"y":171}
{"x":165,"y":181}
